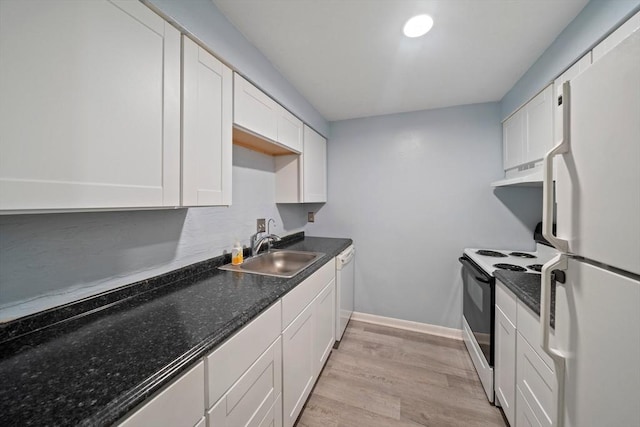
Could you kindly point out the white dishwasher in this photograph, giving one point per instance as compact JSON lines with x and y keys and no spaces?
{"x":345,"y":277}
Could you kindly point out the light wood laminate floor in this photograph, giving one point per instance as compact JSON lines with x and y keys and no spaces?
{"x":381,"y":376}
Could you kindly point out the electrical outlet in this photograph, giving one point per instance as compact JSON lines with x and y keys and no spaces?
{"x":261,"y":225}
{"x":311,"y":217}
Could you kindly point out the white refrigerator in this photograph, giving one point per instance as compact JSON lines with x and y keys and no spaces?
{"x":596,"y":341}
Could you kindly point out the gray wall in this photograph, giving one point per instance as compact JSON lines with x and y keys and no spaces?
{"x":412,"y":190}
{"x":50,"y":259}
{"x":205,"y":21}
{"x":593,"y":23}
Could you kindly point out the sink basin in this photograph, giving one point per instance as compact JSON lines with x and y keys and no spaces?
{"x":281,"y":263}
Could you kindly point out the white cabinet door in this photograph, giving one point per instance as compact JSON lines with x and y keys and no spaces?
{"x":298,"y":364}
{"x":539,"y":125}
{"x":325,"y":314}
{"x":179,"y":404}
{"x":558,"y":103}
{"x":206,"y":128}
{"x":253,"y":110}
{"x":505,"y":364}
{"x":289,"y":129}
{"x":314,"y":169}
{"x":624,"y":31}
{"x":89,"y":106}
{"x":513,"y":134}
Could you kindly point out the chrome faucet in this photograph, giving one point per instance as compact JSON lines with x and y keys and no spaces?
{"x":256,"y":242}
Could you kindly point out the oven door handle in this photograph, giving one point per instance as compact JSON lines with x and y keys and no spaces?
{"x":479,"y":276}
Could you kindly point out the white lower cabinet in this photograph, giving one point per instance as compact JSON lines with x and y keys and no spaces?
{"x":251,"y":400}
{"x":298,"y":360}
{"x":325,"y":312}
{"x":307,"y":339}
{"x":227,"y":363}
{"x":505,"y":364}
{"x":179,"y":404}
{"x":536,"y":381}
{"x":525,"y":416}
{"x":505,"y":351}
{"x":525,"y":381}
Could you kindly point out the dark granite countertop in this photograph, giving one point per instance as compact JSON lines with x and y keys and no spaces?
{"x":527,"y":288}
{"x":95,"y":360}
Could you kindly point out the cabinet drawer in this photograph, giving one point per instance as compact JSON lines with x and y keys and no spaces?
{"x":227,"y":363}
{"x":528,"y":324}
{"x":506,"y":300}
{"x":274,"y":416}
{"x":537,"y":382}
{"x":295,"y":301}
{"x":251,"y":399}
{"x":525,"y":416}
{"x":179,"y":404}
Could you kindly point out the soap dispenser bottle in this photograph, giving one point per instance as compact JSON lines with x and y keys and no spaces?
{"x":236,"y":254}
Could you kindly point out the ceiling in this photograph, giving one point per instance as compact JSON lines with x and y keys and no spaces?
{"x":350,"y":59}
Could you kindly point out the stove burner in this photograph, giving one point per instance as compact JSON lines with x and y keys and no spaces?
{"x":509,"y":267}
{"x":522,"y":255}
{"x":535,"y":267}
{"x":490,"y":253}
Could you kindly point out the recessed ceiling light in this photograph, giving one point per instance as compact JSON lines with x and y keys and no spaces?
{"x":418,"y":26}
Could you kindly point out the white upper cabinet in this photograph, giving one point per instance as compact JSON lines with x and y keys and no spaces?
{"x":513,"y":140}
{"x":289,"y":129}
{"x":558,"y":103}
{"x":206,"y":128}
{"x":539,"y":120}
{"x":89,"y":106}
{"x":528,"y":133}
{"x":260,"y":116}
{"x":303,"y":178}
{"x":314,"y":170}
{"x":254,"y":110}
{"x":624,"y":31}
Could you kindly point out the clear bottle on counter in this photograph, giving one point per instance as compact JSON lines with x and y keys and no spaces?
{"x":236,"y":254}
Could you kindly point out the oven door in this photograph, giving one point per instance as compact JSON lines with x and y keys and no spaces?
{"x":478,"y":305}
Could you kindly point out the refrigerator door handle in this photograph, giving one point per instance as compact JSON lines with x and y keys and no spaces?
{"x":559,"y":262}
{"x":547,"y":181}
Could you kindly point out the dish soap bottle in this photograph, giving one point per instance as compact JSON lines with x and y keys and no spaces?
{"x":236,"y":254}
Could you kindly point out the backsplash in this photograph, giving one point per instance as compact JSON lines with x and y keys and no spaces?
{"x":51,"y":259}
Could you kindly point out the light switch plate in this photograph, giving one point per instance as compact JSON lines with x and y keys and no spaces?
{"x":311,"y":217}
{"x":261,"y":225}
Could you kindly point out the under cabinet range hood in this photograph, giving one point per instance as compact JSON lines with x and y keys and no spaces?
{"x":530,"y":176}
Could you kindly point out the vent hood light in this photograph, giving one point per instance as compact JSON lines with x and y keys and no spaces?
{"x":418,"y":26}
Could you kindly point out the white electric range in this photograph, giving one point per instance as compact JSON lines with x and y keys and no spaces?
{"x":478,"y":306}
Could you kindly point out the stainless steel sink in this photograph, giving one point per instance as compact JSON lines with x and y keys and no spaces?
{"x":280,"y":263}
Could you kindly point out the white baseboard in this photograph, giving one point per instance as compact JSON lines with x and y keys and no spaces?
{"x":408,"y":325}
